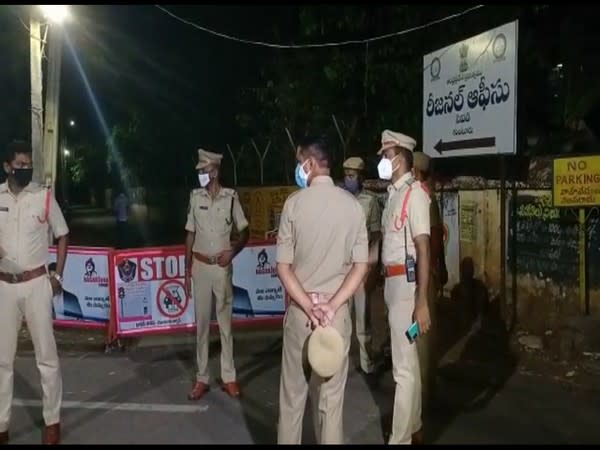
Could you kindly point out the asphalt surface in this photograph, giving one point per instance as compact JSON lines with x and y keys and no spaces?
{"x":139,"y":397}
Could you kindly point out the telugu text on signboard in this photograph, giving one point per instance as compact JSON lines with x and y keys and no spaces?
{"x":469,"y":96}
{"x":576,"y":181}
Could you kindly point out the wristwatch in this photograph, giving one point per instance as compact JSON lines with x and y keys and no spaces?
{"x":57,"y":277}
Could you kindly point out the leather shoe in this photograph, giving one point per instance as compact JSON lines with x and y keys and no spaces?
{"x":233,"y":389}
{"x":198,"y":391}
{"x":4,"y":437}
{"x":52,"y":434}
{"x":417,"y":437}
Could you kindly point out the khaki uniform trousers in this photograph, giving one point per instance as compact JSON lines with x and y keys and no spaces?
{"x":31,"y":300}
{"x":400,"y":300}
{"x":214,"y":280}
{"x":360,"y":304}
{"x":327,"y":396}
{"x":426,"y":344}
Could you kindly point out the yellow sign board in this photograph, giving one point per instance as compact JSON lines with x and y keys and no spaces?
{"x":576,"y":181}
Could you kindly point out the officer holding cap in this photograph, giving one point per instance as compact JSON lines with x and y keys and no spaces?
{"x":405,"y":257}
{"x":354,"y":168}
{"x":322,"y":256}
{"x":212,"y":212}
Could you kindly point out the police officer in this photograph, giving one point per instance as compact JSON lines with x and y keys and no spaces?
{"x":322,"y":258}
{"x":405,"y":258}
{"x":27,"y":212}
{"x":427,"y":345}
{"x":212,"y":212}
{"x":353,"y":182}
{"x":438,"y":274}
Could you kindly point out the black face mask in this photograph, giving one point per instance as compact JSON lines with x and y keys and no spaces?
{"x":23,"y":176}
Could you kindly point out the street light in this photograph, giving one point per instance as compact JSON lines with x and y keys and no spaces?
{"x":56,"y":13}
{"x":71,"y":123}
{"x":67,"y":152}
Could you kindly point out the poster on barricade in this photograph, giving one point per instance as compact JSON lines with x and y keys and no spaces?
{"x":149,"y":289}
{"x":149,"y":292}
{"x":257,"y":291}
{"x":85,"y":299}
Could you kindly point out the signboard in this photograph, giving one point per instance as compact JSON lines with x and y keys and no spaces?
{"x":576,"y":182}
{"x":150,"y":296}
{"x":148,"y":290}
{"x":256,"y":286}
{"x":85,"y":300}
{"x":470,"y":96}
{"x":468,"y":224}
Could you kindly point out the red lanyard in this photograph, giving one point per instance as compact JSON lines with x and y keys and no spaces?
{"x":47,"y":208}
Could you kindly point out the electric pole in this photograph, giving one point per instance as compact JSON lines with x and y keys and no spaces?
{"x":51,"y":128}
{"x":37,"y":106}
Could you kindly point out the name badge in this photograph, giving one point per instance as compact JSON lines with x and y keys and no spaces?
{"x":204,"y":208}
{"x":3,"y":209}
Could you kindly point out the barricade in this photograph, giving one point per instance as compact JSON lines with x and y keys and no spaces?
{"x":140,"y":292}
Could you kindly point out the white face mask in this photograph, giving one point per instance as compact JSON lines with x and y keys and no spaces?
{"x":204,"y":179}
{"x":385,"y":168}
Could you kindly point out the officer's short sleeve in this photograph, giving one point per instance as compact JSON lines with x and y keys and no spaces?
{"x":241,"y":223}
{"x":189,"y":225}
{"x":360,"y":249}
{"x":285,"y":236}
{"x":56,"y":219}
{"x":418,"y":212}
{"x":374,"y":219}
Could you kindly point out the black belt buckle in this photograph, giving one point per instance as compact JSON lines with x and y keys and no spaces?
{"x":212,"y":259}
{"x":15,"y":278}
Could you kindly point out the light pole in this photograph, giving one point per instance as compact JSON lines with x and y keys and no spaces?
{"x":56,"y":15}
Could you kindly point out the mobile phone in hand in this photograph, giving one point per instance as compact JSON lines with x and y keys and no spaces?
{"x":413,"y":332}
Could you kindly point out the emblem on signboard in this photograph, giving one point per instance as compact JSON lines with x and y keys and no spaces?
{"x":127,"y":271}
{"x":264,"y":267}
{"x":263,"y":260}
{"x":463,"y":52}
{"x":434,"y":69}
{"x":90,"y":268}
{"x":499,"y":46}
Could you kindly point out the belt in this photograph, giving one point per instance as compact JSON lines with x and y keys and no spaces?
{"x":28,"y":275}
{"x":394,"y":270}
{"x":211,"y":260}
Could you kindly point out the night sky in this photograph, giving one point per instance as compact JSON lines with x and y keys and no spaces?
{"x":139,"y":58}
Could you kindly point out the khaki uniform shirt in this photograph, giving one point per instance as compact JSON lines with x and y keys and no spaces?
{"x":212,"y":220}
{"x":322,"y":232}
{"x":417,"y":220}
{"x":371,"y":210}
{"x":24,"y":228}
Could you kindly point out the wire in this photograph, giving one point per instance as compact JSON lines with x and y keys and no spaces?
{"x":326,"y":44}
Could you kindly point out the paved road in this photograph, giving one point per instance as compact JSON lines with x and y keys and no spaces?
{"x":138,"y":397}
